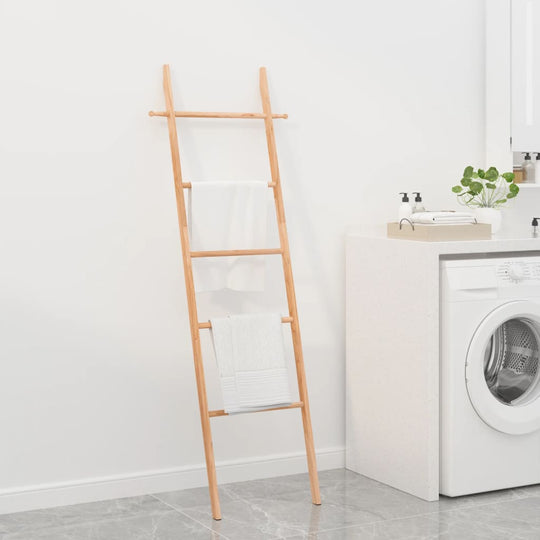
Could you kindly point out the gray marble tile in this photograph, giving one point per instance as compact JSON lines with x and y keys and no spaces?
{"x":357,"y":491}
{"x":528,"y":491}
{"x":282,"y":506}
{"x":353,"y":507}
{"x":272,"y":486}
{"x":254,"y":488}
{"x":517,"y":519}
{"x":415,"y":528}
{"x":345,"y":487}
{"x":285,"y":484}
{"x":25,"y":522}
{"x":187,"y":498}
{"x":340,"y":486}
{"x":170,"y":525}
{"x":284,"y":515}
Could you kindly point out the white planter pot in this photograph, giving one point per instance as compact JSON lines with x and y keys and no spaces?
{"x":493,"y":216}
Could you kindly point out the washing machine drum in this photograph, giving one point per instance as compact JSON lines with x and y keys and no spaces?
{"x":511,"y":360}
{"x":503,"y":371}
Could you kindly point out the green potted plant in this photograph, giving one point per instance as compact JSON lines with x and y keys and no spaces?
{"x":486,"y":192}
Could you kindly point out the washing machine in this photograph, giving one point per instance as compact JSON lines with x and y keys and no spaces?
{"x":490,"y":373}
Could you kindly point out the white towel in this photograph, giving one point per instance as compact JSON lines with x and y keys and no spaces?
{"x":228,"y":215}
{"x":442,"y":217}
{"x":251,"y":361}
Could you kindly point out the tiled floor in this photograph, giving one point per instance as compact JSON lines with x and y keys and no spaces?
{"x":354,"y":507}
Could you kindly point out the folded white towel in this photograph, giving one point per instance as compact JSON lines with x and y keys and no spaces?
{"x":228,"y":215}
{"x":444,"y":221}
{"x":251,"y":361}
{"x":443,"y":213}
{"x":442,"y":217}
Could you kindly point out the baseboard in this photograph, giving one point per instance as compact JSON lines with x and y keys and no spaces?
{"x":144,"y":482}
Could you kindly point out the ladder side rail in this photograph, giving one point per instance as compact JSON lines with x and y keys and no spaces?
{"x":289,"y":286}
{"x":191,"y":297}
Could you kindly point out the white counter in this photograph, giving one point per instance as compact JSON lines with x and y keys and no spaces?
{"x":392,"y":347}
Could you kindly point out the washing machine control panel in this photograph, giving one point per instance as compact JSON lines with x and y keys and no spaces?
{"x":512,"y":272}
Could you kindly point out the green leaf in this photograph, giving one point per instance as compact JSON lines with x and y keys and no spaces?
{"x":466,"y":182}
{"x":508,"y":176}
{"x":457,"y":189}
{"x":468,"y":172}
{"x":513,"y":188}
{"x":475,"y":175}
{"x":490,"y":185}
{"x":500,"y":201}
{"x":492,"y":174}
{"x":476,"y":187}
{"x":481,"y":173}
{"x":511,"y":195}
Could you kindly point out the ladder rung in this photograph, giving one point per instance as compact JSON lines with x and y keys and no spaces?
{"x":187,"y":185}
{"x":236,"y":252}
{"x":221,"y":412}
{"x":209,"y":324}
{"x":193,"y":114}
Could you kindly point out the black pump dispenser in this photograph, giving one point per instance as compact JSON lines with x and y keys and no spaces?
{"x":535,"y":227}
{"x":527,"y":155}
{"x":418,"y":198}
{"x":405,"y":198}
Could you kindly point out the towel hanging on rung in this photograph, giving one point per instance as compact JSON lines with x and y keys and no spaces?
{"x":250,"y":355}
{"x":228,"y":215}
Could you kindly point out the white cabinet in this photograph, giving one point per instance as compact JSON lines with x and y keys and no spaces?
{"x":498,"y":94}
{"x":392,"y":355}
{"x":525,"y":75}
{"x":512,"y":80}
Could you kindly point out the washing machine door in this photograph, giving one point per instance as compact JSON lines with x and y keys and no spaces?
{"x":502,"y":370}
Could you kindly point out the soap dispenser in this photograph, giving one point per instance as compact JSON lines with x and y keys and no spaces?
{"x":528,"y":169}
{"x":535,"y":227}
{"x":405,"y":209}
{"x":537,"y":168}
{"x":418,"y":206}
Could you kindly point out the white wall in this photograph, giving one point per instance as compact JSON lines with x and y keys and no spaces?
{"x":96,"y":375}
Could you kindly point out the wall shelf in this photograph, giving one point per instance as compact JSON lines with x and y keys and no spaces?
{"x":528,"y":186}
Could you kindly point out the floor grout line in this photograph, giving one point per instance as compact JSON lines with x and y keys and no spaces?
{"x":220,"y":535}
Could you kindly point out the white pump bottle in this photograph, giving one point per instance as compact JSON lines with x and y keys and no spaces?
{"x":418,"y":205}
{"x":405,"y":209}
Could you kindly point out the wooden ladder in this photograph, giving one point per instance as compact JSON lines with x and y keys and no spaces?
{"x":283,"y":250}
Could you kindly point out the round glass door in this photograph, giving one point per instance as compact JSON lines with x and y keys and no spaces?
{"x":511,"y":360}
{"x":502,"y":369}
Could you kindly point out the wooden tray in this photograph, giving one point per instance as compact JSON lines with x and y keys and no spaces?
{"x":439,"y":233}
